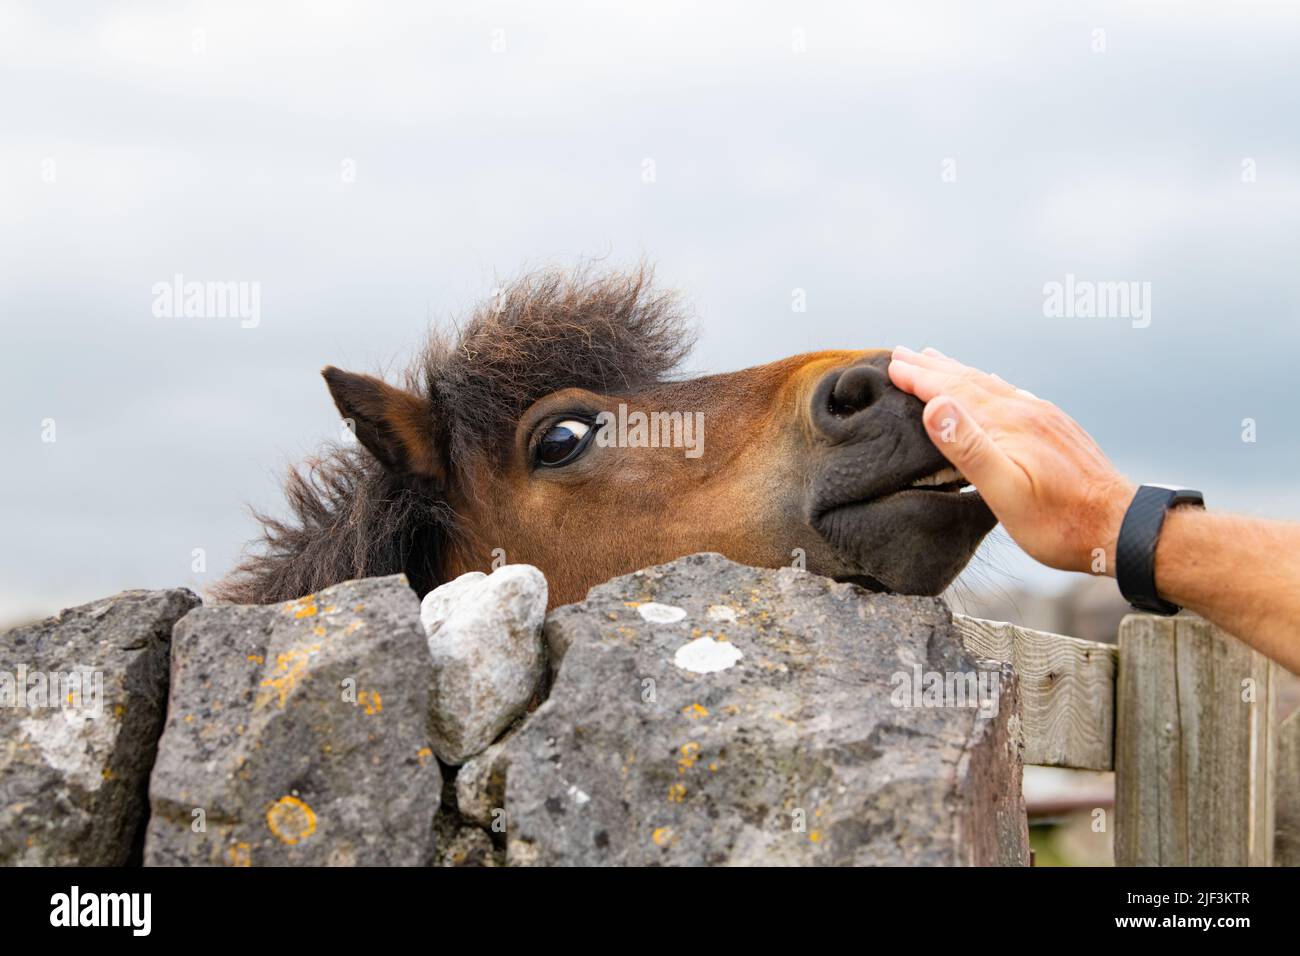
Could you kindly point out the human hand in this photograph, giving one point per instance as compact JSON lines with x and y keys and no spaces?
{"x":1044,"y":477}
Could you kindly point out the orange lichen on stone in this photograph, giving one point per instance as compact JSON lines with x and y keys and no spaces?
{"x":289,"y":667}
{"x":690,"y":753}
{"x":291,"y":820}
{"x":371,"y":701}
{"x":423,"y":755}
{"x":695,"y":711}
{"x":677,"y":793}
{"x":241,"y":854}
{"x":303,"y":607}
{"x":662,"y":836}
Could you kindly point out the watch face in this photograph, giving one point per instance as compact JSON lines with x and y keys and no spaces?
{"x":1180,"y":495}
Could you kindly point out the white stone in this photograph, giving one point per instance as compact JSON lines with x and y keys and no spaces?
{"x":441,"y":600}
{"x":485,"y":638}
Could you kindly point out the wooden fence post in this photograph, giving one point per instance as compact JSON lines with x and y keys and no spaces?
{"x":1286,"y":842}
{"x":1195,"y":746}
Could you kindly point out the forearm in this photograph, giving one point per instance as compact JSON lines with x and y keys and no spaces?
{"x":1241,"y":573}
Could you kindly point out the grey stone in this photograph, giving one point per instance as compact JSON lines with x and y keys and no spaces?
{"x":469,"y":847}
{"x":73,"y":777}
{"x":481,"y":786}
{"x":297,"y":734}
{"x":564,"y":626}
{"x":489,"y":661}
{"x":768,"y":725}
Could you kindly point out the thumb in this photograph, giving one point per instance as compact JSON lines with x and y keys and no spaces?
{"x":964,"y":443}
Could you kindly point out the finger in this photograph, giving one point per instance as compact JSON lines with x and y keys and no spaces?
{"x":964,"y":443}
{"x":925,"y":383}
{"x":934,"y":359}
{"x":930,"y":358}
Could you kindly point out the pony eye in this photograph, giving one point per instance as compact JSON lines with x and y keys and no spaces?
{"x":562,"y":443}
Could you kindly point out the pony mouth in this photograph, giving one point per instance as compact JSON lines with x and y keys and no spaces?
{"x":910,"y":537}
{"x":945,"y":480}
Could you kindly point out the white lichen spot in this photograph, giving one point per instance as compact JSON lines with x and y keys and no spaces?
{"x":661,"y":613}
{"x":579,"y":797}
{"x":704,"y":655}
{"x":720,"y":612}
{"x":75,"y":744}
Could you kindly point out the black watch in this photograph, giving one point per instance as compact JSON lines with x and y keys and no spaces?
{"x":1135,"y":552}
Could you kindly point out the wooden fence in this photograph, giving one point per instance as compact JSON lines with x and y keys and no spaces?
{"x":1186,"y":717}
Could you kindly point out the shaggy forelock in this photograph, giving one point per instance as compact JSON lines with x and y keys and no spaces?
{"x":612,"y":334}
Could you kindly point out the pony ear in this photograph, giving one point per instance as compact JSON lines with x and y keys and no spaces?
{"x":394,"y":425}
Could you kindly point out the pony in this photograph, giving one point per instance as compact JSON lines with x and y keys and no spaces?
{"x":555,"y":429}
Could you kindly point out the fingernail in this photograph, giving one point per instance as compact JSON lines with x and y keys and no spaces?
{"x":943,"y":408}
{"x":945,"y":418}
{"x":930,"y":350}
{"x":903,"y":349}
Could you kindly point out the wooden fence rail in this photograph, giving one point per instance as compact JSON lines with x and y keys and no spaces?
{"x":1067,"y":688}
{"x":1185,"y":715}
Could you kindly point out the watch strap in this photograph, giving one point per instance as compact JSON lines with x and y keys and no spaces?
{"x":1135,"y":551}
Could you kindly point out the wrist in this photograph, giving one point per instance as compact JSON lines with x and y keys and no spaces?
{"x":1116,"y":499}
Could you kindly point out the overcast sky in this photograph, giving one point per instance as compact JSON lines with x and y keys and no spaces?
{"x":920,"y":170}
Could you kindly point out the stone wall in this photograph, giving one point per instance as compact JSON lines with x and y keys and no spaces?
{"x":697,"y":713}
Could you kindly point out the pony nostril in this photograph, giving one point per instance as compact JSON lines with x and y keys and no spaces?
{"x":857,"y":388}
